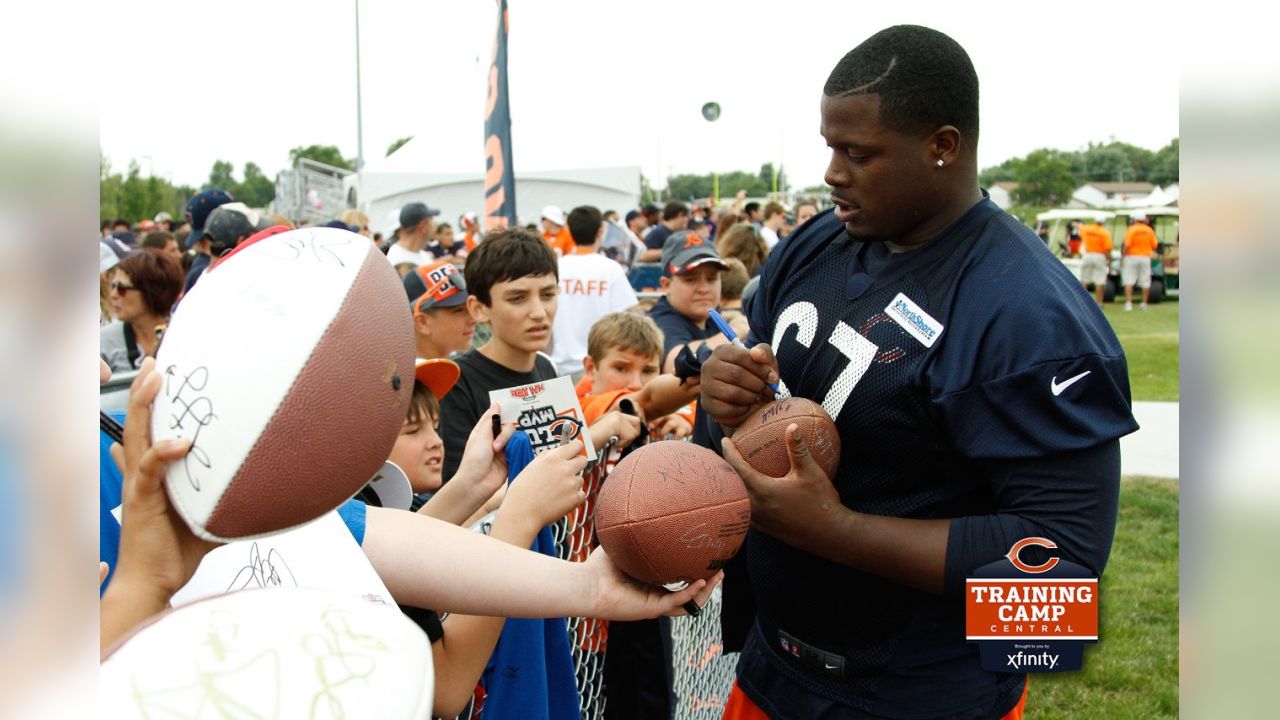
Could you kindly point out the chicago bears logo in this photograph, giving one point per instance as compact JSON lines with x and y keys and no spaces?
{"x":1024,"y":543}
{"x":692,"y":240}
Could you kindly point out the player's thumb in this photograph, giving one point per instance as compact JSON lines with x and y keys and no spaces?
{"x":802,"y":460}
{"x":763,"y":354}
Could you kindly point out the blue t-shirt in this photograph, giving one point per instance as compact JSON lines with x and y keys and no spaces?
{"x":941,"y":367}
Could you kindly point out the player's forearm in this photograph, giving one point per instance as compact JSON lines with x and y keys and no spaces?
{"x":905,"y":550}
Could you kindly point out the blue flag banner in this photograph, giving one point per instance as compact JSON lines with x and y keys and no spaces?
{"x":499,"y":174}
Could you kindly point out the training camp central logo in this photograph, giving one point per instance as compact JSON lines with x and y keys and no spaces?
{"x":1031,"y":616}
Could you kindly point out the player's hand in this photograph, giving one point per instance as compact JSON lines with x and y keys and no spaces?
{"x":671,"y":427}
{"x":735,"y":382}
{"x":618,"y":597}
{"x":158,"y":551}
{"x":793,"y":508}
{"x":547,"y":489}
{"x":483,"y":460}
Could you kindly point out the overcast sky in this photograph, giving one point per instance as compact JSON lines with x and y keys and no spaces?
{"x":598,"y":83}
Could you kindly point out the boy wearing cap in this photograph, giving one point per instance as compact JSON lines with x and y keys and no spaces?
{"x":442,"y":325}
{"x":544,"y":491}
{"x":555,"y":230}
{"x":416,"y":229}
{"x":197,"y":212}
{"x":691,"y":269}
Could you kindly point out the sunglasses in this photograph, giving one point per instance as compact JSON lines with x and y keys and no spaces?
{"x":121,"y":287}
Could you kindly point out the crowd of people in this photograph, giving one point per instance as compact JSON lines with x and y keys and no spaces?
{"x":554,"y":299}
{"x":930,"y":325}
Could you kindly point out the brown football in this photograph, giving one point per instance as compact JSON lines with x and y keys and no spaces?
{"x":761,"y":438}
{"x":672,"y":512}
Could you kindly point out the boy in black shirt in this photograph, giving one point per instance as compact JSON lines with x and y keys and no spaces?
{"x":514,"y":282}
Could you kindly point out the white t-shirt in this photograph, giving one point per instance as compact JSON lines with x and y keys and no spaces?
{"x":591,"y":286}
{"x":770,"y":236}
{"x":398,"y":253}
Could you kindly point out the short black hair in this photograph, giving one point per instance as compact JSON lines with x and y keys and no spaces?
{"x":584,"y":224}
{"x":924,"y":79}
{"x":156,"y":239}
{"x":507,"y":255}
{"x":674,"y":209}
{"x":751,"y":207}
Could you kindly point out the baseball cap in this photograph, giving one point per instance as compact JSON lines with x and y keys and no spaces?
{"x":231,"y":221}
{"x":685,"y":250}
{"x":341,"y":226}
{"x":1140,"y":216}
{"x":438,"y":374}
{"x":414,"y":213}
{"x":107,"y":257}
{"x":198,"y":209}
{"x":436,"y":285}
{"x":554,"y":214}
{"x":163,"y":216}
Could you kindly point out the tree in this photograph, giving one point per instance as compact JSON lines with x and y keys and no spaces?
{"x":1107,"y":163}
{"x":1044,"y":178}
{"x":220,"y":177}
{"x":1164,"y":166}
{"x":327,"y":154}
{"x":257,"y":190}
{"x":766,"y":178}
{"x":134,"y":197}
{"x":1140,"y":159}
{"x":397,"y":145}
{"x":1006,"y":171}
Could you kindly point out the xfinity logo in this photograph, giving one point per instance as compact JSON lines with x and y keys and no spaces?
{"x":1042,"y":660}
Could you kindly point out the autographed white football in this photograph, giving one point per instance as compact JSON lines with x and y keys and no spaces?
{"x":290,"y":368}
{"x":280,"y":653}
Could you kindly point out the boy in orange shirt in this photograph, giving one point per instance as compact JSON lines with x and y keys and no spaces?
{"x":624,"y":357}
{"x":1135,"y":267}
{"x":624,"y":352}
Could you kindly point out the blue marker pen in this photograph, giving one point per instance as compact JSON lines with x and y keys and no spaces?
{"x":723,"y":327}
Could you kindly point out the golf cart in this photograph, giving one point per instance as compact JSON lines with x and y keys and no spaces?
{"x":1164,"y":264}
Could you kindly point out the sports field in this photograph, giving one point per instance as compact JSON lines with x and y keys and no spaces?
{"x":1150,"y":340}
{"x":1133,"y":670}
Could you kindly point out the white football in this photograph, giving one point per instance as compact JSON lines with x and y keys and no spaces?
{"x":271,"y":654}
{"x":289,"y":366}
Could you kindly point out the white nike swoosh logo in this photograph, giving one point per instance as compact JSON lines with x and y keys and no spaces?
{"x":831,"y":667}
{"x":1056,"y":388}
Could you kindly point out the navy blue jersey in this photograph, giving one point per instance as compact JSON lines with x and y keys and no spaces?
{"x":940,"y":366}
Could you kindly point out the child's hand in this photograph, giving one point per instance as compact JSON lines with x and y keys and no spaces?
{"x":615,"y":423}
{"x":547,"y":489}
{"x":158,"y":550}
{"x":671,"y":427}
{"x":483,"y":461}
{"x":619,"y":597}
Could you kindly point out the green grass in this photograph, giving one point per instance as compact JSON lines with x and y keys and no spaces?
{"x":1132,"y":672}
{"x":1150,"y":340}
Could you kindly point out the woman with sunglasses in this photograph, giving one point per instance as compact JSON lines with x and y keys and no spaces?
{"x":142,"y":292}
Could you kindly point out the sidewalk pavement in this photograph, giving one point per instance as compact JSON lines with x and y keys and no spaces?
{"x":1153,"y":449}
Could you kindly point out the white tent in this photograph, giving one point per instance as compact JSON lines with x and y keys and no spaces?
{"x":410,"y":175}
